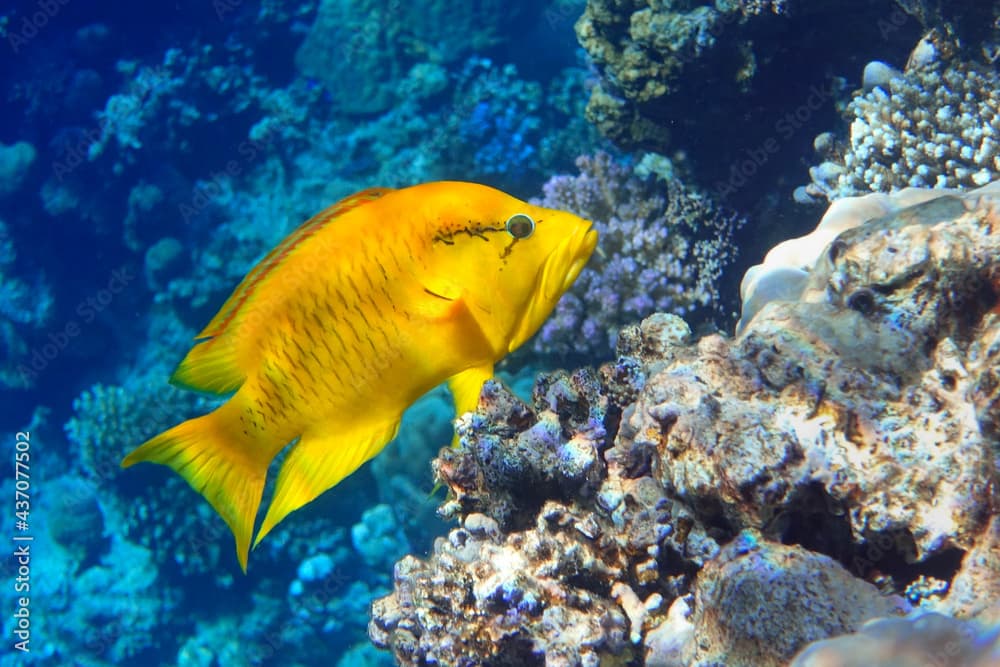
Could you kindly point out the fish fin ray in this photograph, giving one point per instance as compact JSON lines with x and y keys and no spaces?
{"x":231,"y":308}
{"x":211,"y":366}
{"x":231,"y":478}
{"x":466,"y":386}
{"x":319,"y":461}
{"x":465,"y":389}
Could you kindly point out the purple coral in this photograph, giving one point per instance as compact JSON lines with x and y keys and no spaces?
{"x":662,"y":248}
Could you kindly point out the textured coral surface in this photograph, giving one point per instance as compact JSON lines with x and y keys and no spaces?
{"x":729,"y":501}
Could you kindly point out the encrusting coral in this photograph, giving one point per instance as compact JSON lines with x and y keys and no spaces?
{"x":845,"y":441}
{"x":785,"y":270}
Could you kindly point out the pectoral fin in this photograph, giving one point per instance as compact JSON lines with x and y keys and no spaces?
{"x":465,"y":389}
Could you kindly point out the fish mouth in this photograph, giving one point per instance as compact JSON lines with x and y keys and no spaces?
{"x":583,"y":252}
{"x":571,"y":256}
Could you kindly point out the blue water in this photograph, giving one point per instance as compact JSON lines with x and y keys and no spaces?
{"x":151,"y":153}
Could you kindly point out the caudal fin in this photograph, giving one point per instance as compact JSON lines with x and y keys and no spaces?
{"x":229,"y":474}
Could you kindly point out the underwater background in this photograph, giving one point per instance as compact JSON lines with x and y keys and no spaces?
{"x":151,"y":153}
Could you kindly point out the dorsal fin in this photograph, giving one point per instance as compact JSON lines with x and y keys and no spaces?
{"x":212,"y":364}
{"x":239,"y":296}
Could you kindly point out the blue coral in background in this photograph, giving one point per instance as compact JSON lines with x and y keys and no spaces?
{"x":25,"y":308}
{"x":150,"y":156}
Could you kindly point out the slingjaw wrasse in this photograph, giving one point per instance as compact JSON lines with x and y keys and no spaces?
{"x":358,"y":312}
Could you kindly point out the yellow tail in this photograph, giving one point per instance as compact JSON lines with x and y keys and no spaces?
{"x":216,"y":463}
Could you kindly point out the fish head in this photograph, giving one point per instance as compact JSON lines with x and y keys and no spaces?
{"x":545,"y":266}
{"x":515,"y":260}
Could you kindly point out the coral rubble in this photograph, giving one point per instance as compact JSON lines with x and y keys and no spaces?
{"x":729,"y":501}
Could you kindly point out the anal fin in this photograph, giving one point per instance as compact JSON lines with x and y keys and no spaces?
{"x":321,"y":458}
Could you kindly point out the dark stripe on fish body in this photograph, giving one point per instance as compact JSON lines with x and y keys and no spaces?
{"x":302,"y":320}
{"x":294,"y":377}
{"x":340,"y":295}
{"x":395,"y":260}
{"x":326,"y":303}
{"x":388,"y":341}
{"x":343,"y":345}
{"x":322,"y":339}
{"x":340,"y":380}
{"x":333,"y":317}
{"x":354,"y":286}
{"x":354,"y":330}
{"x":357,"y":308}
{"x":376,"y":309}
{"x":389,"y":300}
{"x":302,"y":357}
{"x":312,"y":353}
{"x":371,"y":284}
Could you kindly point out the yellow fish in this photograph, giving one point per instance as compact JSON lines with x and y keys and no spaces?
{"x":356,"y":314}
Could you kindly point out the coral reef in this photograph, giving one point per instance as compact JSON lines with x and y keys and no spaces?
{"x":97,"y":613}
{"x":361,"y":51}
{"x":671,"y":75}
{"x":663,"y":248}
{"x":109,"y":420}
{"x":841,"y":452}
{"x":756,"y":603}
{"x":25,"y":306}
{"x":15,"y":161}
{"x":934,"y":126}
{"x":783,"y":274}
{"x":486,"y":598}
{"x":655,"y":57}
{"x":378,"y":538}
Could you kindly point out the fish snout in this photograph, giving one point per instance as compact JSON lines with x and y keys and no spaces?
{"x":578,"y":249}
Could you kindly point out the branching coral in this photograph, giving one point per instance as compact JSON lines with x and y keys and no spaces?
{"x":931,"y":127}
{"x":662,"y":247}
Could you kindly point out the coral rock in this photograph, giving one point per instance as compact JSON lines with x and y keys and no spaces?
{"x":728,"y":501}
{"x":757,"y":604}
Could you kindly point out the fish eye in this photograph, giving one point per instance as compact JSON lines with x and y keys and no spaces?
{"x":520,"y":226}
